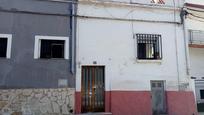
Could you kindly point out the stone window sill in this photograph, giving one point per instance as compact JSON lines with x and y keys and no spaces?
{"x":149,"y":61}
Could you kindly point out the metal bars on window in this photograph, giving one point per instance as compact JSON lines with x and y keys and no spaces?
{"x":149,"y":46}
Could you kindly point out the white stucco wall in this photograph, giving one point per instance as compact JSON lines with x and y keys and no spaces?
{"x":111,"y":43}
{"x":197,"y":62}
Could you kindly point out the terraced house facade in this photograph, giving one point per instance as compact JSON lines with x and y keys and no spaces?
{"x":132,"y":58}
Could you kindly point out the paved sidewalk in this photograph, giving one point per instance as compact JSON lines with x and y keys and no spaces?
{"x":201,"y":113}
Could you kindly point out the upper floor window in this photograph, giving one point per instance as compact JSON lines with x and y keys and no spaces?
{"x":149,"y":46}
{"x":49,"y":47}
{"x":158,"y":1}
{"x":5,"y":45}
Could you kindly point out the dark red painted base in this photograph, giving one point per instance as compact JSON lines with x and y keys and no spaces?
{"x":181,"y":103}
{"x":139,"y":103}
{"x":130,"y":103}
{"x":77,"y":102}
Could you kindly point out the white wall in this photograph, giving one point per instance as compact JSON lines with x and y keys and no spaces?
{"x":196,"y":54}
{"x":197,"y":62}
{"x":197,"y":67}
{"x":111,"y":43}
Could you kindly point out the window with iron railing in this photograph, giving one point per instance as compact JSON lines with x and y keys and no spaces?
{"x":149,"y":47}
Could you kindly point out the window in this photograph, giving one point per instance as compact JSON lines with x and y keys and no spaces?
{"x":52,"y":49}
{"x":149,"y":47}
{"x":5,"y":45}
{"x":202,"y":94}
{"x":48,"y":47}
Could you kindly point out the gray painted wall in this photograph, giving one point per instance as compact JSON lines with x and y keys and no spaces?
{"x":22,"y":70}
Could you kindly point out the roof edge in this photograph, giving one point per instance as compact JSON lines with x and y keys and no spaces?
{"x":194,"y":5}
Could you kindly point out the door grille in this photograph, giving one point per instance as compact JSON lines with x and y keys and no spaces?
{"x":93,"y":89}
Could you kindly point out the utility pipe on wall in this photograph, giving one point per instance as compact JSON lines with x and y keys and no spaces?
{"x":73,"y":35}
{"x":176,"y":45}
{"x":183,"y":15}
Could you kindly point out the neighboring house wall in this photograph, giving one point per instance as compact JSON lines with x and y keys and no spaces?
{"x":28,"y":85}
{"x":105,"y":37}
{"x":24,"y":20}
{"x":195,"y":30}
{"x":196,"y":59}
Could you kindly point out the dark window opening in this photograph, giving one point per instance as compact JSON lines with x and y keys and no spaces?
{"x":3,"y":47}
{"x":52,"y":49}
{"x":149,"y":46}
{"x":202,"y":94}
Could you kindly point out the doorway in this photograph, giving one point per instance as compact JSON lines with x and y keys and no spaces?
{"x":93,"y":89}
{"x":158,"y":97}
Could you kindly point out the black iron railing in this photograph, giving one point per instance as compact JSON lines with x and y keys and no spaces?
{"x":149,"y":46}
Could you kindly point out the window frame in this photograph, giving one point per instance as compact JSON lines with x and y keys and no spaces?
{"x":159,"y":37}
{"x":37,"y":47}
{"x":9,"y":43}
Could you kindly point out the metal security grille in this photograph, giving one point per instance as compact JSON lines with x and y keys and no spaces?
{"x":3,"y":47}
{"x":93,"y":89}
{"x":149,"y":46}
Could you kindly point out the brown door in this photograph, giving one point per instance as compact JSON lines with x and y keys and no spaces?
{"x":93,"y":89}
